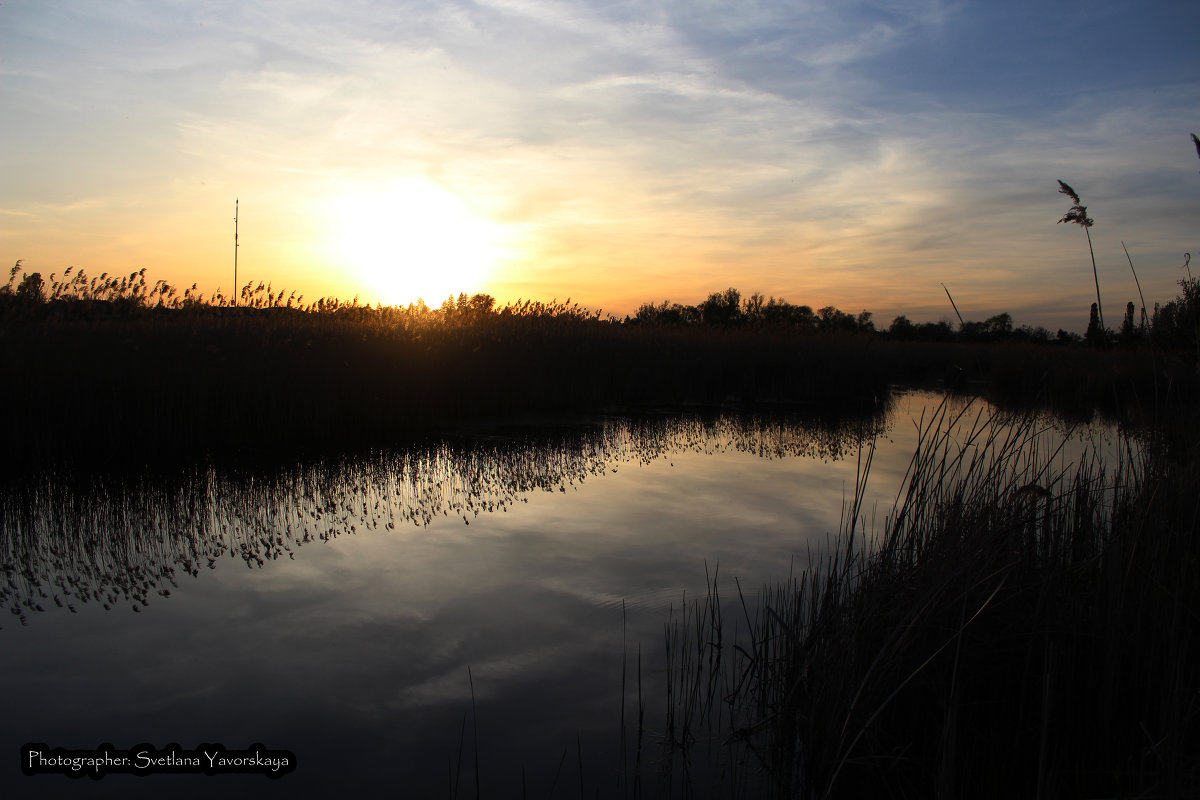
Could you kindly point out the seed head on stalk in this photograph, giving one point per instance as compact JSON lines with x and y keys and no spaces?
{"x":1078,"y":215}
{"x":1078,"y":212}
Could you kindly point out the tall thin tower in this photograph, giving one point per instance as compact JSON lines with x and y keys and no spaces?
{"x":235,"y":249}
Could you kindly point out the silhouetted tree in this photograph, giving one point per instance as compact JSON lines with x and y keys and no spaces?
{"x":722,"y":308}
{"x":1027,"y":333}
{"x":1095,"y":331}
{"x":1129,"y":328}
{"x":752,"y":307}
{"x":1176,"y":325}
{"x":475,"y":306}
{"x":902,"y":328}
{"x":668,"y":314}
{"x":999,"y":326}
{"x":831,"y":319}
{"x":779,"y":312}
{"x":1066,"y":337}
{"x":935,"y":332}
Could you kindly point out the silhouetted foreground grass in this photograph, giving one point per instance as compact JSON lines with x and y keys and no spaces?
{"x":127,"y":371}
{"x":1019,"y":630}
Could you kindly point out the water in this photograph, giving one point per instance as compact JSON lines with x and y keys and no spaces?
{"x":391,"y":620}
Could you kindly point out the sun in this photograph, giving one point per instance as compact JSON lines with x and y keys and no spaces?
{"x":413,"y":239}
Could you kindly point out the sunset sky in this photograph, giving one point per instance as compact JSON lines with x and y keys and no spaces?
{"x":855,"y":154}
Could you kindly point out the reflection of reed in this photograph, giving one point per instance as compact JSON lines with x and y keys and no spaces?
{"x":68,"y":540}
{"x":71,"y":543}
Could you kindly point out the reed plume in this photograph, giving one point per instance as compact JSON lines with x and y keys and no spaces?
{"x":1078,"y":215}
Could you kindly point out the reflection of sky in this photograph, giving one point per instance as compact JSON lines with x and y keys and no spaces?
{"x":359,"y":648}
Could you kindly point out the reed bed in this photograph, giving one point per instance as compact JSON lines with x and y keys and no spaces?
{"x":126,"y":370}
{"x":218,"y":381}
{"x":1023,"y":626}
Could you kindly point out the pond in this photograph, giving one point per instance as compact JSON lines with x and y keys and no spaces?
{"x":490,"y":606}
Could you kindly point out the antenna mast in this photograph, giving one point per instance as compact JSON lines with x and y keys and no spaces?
{"x":235,"y":249}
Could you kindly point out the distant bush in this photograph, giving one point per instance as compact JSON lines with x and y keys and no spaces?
{"x":1176,"y":325}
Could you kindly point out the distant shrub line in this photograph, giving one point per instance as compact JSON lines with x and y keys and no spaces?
{"x":1174,"y":326}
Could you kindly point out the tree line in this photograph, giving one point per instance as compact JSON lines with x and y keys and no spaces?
{"x":1174,"y":325}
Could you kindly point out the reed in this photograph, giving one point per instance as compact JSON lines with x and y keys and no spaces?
{"x":1078,"y":215}
{"x":1022,"y":626}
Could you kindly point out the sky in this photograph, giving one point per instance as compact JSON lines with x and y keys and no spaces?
{"x":855,"y":154}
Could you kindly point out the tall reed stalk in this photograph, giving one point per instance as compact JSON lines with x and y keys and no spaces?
{"x":1141,"y":296}
{"x":1078,"y":215}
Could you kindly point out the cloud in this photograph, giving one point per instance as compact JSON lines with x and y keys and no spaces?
{"x":838,"y":152}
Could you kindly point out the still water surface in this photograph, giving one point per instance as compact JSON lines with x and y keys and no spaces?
{"x":335,"y":610}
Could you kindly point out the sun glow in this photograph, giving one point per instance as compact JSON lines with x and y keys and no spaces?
{"x":413,"y":240}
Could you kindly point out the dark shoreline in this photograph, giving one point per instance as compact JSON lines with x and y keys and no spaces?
{"x":169,"y":387}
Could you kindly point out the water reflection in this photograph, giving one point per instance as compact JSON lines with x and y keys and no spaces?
{"x":543,"y":560}
{"x":69,"y":539}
